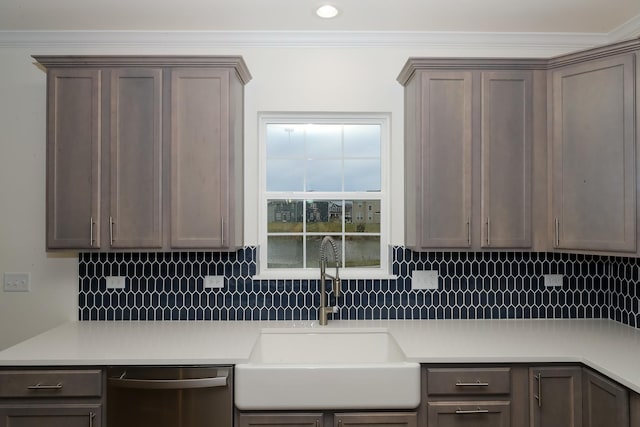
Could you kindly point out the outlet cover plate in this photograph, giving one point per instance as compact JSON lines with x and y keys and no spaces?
{"x":553,"y":280}
{"x":115,"y":282}
{"x":424,"y":279}
{"x":17,"y":282}
{"x":213,"y":282}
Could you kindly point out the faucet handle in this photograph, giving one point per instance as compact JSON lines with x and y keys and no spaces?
{"x":336,"y":287}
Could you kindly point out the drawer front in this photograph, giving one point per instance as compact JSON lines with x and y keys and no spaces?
{"x":468,"y":381}
{"x":51,"y":383}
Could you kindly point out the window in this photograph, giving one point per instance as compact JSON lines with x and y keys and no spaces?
{"x":323,"y":174}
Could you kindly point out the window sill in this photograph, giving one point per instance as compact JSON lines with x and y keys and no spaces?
{"x":314,"y":274}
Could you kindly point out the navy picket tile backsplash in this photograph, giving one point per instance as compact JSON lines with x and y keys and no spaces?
{"x":472,"y":285}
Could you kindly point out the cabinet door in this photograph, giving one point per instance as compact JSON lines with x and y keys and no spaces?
{"x":73,"y":158}
{"x":135,"y":215}
{"x":282,"y":419}
{"x":605,"y":403}
{"x":375,"y":419}
{"x":556,"y":396}
{"x":634,"y":402}
{"x":507,"y":118}
{"x":51,"y":415}
{"x":199,"y":158}
{"x":469,"y":413}
{"x":438,"y":161}
{"x":594,"y":176}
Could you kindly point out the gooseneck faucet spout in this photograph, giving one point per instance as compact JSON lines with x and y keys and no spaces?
{"x":324,"y":310}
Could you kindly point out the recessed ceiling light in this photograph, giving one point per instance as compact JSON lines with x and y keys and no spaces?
{"x":327,"y":11}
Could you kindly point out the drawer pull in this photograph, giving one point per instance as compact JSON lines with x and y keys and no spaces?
{"x":41,"y":386}
{"x":478,"y":383}
{"x":471,"y":411}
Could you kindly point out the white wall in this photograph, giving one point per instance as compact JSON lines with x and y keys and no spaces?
{"x":284,"y":79}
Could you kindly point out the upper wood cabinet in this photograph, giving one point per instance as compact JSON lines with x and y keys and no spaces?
{"x":438,"y":160}
{"x":144,"y":152}
{"x":469,"y":153}
{"x":74,"y":143}
{"x":135,"y":158}
{"x":206,"y":159}
{"x":593,"y":130}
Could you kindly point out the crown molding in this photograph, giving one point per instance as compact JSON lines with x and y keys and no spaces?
{"x":626,"y":31}
{"x":451,"y":42}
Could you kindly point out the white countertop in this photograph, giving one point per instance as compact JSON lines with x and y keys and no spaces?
{"x":607,"y":346}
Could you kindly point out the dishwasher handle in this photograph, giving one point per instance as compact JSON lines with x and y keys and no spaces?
{"x":191,"y":383}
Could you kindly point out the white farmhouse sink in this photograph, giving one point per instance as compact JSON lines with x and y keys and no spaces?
{"x":326,"y":369}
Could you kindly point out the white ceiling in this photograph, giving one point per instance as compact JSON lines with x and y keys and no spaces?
{"x":522,"y":16}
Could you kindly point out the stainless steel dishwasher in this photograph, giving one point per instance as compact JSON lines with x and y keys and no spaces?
{"x":199,"y":396}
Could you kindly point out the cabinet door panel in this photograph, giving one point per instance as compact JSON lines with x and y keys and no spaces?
{"x":506,"y":159}
{"x":445,"y":158}
{"x":469,"y":414}
{"x":199,"y":158}
{"x":556,"y":396}
{"x":282,"y":419}
{"x":135,"y":161}
{"x":605,"y":404}
{"x":58,"y":415}
{"x":73,"y":159}
{"x":375,"y":419}
{"x":594,"y":177}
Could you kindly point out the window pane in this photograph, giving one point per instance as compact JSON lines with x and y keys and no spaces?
{"x":285,"y":140}
{"x":313,"y":251}
{"x":324,"y":216}
{"x":364,"y":217}
{"x":285,"y":216}
{"x":362,"y":175}
{"x":362,"y":141}
{"x":324,"y":175}
{"x":284,"y":251}
{"x":324,"y":141}
{"x":285,"y":175}
{"x":362,"y":251}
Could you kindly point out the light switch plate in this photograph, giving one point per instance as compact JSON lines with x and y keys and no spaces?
{"x":213,"y":282}
{"x":115,"y":282}
{"x":553,"y":280}
{"x":17,"y":282}
{"x":424,"y":279}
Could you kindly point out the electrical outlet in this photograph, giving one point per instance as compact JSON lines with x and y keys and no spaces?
{"x":424,"y":279}
{"x":213,"y":282}
{"x":553,"y":280}
{"x":115,"y":282}
{"x":17,"y":282}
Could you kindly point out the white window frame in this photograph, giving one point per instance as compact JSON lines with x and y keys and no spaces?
{"x":384,"y":120}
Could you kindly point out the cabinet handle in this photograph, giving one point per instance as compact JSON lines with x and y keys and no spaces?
{"x":475,"y":384}
{"x":538,"y":397}
{"x":91,"y":232}
{"x":488,"y":232}
{"x":557,"y":232}
{"x":222,"y":232}
{"x":469,"y":231}
{"x":91,"y":417}
{"x":472,"y":411}
{"x":41,"y":386}
{"x":317,"y":423}
{"x":111,"y":230}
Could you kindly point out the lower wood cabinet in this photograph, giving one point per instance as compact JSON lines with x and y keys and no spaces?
{"x":281,"y":419}
{"x":555,"y":396}
{"x":604,"y":403}
{"x":378,"y":419}
{"x":51,"y":415}
{"x":51,"y":398}
{"x":327,"y":419}
{"x":634,"y":413}
{"x":469,"y":413}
